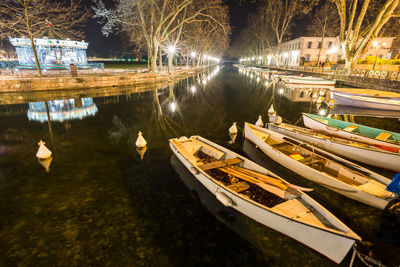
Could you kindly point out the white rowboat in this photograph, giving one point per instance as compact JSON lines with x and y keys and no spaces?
{"x":349,"y":149}
{"x":333,"y":172}
{"x":363,"y":101}
{"x":295,"y":214}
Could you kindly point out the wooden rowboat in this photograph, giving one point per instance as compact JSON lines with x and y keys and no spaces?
{"x":310,"y":80}
{"x":263,"y":196}
{"x":364,"y":112}
{"x":331,"y":171}
{"x":381,"y":138}
{"x":363,"y":101}
{"x":353,"y":150}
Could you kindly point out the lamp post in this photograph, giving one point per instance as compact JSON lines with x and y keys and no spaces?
{"x":193,"y":55}
{"x":171,"y":50}
{"x":376,"y":45}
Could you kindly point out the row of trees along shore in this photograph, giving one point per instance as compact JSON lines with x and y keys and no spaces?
{"x":198,"y":27}
{"x":155,"y":26}
{"x":356,"y":23}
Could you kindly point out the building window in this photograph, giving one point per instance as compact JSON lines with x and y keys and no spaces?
{"x":329,"y":44}
{"x":309,"y":45}
{"x":319,"y":44}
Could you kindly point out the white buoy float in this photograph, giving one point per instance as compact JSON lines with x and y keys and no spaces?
{"x":271,"y":110}
{"x":141,"y":151}
{"x":140,"y":141}
{"x":43,"y":152}
{"x":233,"y":128}
{"x":46,"y":163}
{"x":259,"y":122}
{"x":233,"y":138}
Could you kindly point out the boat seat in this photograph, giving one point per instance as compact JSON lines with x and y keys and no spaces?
{"x":297,"y":210}
{"x":376,"y":189}
{"x":220,"y":164}
{"x":383,"y":136}
{"x":350,"y":128}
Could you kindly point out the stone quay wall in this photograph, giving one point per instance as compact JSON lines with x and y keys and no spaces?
{"x":93,"y":81}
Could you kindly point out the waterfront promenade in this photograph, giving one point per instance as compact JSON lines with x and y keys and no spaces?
{"x":360,"y":78}
{"x":108,"y":78}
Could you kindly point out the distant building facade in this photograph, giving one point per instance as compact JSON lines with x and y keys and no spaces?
{"x":306,"y":49}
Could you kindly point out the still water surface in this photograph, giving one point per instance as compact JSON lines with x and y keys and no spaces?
{"x":101,"y":204}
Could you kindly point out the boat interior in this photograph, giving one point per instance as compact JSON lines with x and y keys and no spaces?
{"x":236,"y":175}
{"x":312,"y":159}
{"x":349,"y":142}
{"x":363,"y":130}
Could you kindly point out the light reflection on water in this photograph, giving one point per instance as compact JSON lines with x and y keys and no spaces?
{"x":101,"y":203}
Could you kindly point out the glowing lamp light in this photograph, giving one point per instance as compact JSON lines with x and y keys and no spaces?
{"x":252,"y":58}
{"x":193,"y":54}
{"x":204,"y":81}
{"x":260,"y":57}
{"x":266,"y":83}
{"x":258,"y":79}
{"x":193,"y":89}
{"x":383,"y":44}
{"x":374,"y":43}
{"x":322,"y":112}
{"x":334,"y":49}
{"x":171,"y":49}
{"x":281,"y":91}
{"x":173,"y":107}
{"x":285,"y":55}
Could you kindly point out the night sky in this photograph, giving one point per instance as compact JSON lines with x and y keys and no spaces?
{"x":100,"y":45}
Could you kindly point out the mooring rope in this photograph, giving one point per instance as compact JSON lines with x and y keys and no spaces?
{"x":367,"y":260}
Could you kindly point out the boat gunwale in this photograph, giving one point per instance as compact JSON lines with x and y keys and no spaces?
{"x":368,"y":99}
{"x":396,"y":144}
{"x":355,"y":187}
{"x":344,"y":142}
{"x":350,"y":234}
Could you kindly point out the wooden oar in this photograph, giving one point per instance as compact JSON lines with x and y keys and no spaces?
{"x":272,"y":189}
{"x":268,"y":179}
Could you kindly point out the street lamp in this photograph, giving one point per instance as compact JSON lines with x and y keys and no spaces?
{"x":171,"y":49}
{"x":193,"y":55}
{"x":285,"y":56}
{"x":376,"y":45}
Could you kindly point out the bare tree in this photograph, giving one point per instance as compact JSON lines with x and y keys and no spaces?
{"x":325,"y":23}
{"x":157,"y":20}
{"x":357,"y":32}
{"x":34,"y":18}
{"x":278,"y":16}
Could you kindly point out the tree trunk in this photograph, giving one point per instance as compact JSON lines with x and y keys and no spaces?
{"x":153,"y":56}
{"x":170,"y":57}
{"x":278,"y":52}
{"x":36,"y":57}
{"x":319,"y":52}
{"x":160,"y":60}
{"x":349,"y":62}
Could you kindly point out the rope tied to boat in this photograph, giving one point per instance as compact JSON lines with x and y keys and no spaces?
{"x":365,"y":259}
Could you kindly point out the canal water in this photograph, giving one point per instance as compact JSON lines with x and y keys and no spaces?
{"x":100,"y":201}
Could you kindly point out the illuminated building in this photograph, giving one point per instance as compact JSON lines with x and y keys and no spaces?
{"x":62,"y":110}
{"x":52,"y":53}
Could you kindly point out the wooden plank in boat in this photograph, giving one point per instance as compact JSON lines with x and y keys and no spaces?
{"x":239,"y":187}
{"x":254,"y":177}
{"x":220,"y":164}
{"x":383,"y":136}
{"x":350,"y":128}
